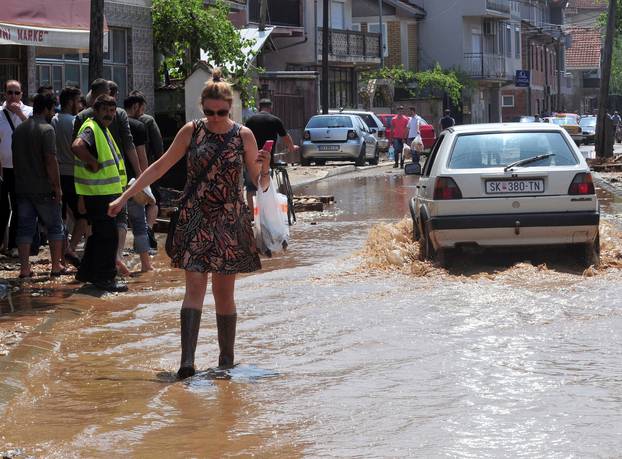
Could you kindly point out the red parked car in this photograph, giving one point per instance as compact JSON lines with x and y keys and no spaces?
{"x":428,"y":135}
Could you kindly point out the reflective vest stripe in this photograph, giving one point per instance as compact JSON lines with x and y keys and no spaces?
{"x":110,"y":162}
{"x":106,"y":181}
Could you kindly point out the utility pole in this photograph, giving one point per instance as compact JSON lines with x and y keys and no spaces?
{"x":96,"y":41}
{"x":603,"y":144}
{"x":263,"y":14}
{"x":325,"y":38}
{"x":380,"y":28}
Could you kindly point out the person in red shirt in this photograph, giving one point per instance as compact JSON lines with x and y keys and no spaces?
{"x":399,"y":125}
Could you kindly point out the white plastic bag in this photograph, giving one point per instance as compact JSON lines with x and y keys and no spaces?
{"x":145,"y":196}
{"x":271,"y":228}
{"x":417,"y":144}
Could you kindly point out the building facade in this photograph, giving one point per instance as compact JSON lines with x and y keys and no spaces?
{"x":543,"y":49}
{"x":129,"y":59}
{"x":481,"y":38}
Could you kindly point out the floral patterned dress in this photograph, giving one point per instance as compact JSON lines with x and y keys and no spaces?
{"x":214,"y":232}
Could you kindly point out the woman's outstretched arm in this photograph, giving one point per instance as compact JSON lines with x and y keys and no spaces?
{"x":176,"y":151}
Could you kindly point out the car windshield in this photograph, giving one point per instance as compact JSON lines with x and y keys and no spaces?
{"x":564,"y":120}
{"x":587,"y":122}
{"x":475,"y":151}
{"x":330,"y":122}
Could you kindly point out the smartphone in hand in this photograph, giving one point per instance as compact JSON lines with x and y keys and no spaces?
{"x":268,"y":146}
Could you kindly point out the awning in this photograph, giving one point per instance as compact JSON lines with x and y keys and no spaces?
{"x":56,"y":23}
{"x":258,"y":38}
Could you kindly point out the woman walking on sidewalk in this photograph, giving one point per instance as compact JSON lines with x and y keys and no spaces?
{"x":214,"y":233}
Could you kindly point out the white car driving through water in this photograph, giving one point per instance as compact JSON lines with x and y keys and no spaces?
{"x":506,"y":185}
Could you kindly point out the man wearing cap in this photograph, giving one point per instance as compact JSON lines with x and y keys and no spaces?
{"x":265,"y":126}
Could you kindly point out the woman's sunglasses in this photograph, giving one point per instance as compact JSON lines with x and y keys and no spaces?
{"x":208,"y":112}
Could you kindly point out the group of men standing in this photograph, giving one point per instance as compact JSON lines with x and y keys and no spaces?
{"x":72,"y":164}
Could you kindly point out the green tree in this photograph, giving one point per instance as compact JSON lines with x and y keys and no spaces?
{"x":181,"y":28}
{"x":419,"y":83}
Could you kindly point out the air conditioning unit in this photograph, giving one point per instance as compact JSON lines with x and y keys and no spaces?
{"x":490,"y":28}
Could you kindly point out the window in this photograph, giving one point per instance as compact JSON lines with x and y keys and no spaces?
{"x":507,"y":101}
{"x":330,"y":121}
{"x":475,"y":151}
{"x":356,"y":26}
{"x":337,"y":15}
{"x":72,"y":69}
{"x":501,"y":38}
{"x":517,"y":43}
{"x":508,"y":40}
{"x":372,"y":27}
{"x":427,"y":167}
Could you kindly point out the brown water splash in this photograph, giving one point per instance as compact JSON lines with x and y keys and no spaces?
{"x":390,"y":247}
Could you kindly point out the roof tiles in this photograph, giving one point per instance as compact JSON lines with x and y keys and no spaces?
{"x":584,"y":52}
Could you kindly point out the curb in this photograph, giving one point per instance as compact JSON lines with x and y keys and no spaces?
{"x":335,"y":172}
{"x":615,"y":190}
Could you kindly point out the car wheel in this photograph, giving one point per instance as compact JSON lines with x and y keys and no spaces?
{"x":360,"y":161}
{"x":589,"y":254}
{"x":376,"y":159}
{"x":305,"y":162}
{"x":428,"y":252}
{"x":320,"y":162}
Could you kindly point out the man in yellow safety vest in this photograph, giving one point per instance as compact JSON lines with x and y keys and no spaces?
{"x":100,"y":177}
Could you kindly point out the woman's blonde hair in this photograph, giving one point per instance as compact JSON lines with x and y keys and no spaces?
{"x":217,"y":88}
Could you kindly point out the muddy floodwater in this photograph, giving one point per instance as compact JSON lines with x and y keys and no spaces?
{"x":347,"y":346}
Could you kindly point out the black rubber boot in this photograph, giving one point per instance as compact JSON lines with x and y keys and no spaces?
{"x":226,"y":339}
{"x":190,"y":322}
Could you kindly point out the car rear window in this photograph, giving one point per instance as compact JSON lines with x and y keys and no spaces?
{"x":561,"y":120}
{"x":587,"y":122}
{"x":475,"y":151}
{"x":330,"y":122}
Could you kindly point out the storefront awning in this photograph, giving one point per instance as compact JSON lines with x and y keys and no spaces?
{"x":57,"y":23}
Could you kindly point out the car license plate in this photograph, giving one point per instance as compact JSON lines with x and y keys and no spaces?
{"x":329,"y":147}
{"x":514,"y":186}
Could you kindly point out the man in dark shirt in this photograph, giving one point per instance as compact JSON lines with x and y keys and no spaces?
{"x":265,"y":126}
{"x":134,"y":104}
{"x":155,"y":149}
{"x":447,"y":121}
{"x":37,"y":184}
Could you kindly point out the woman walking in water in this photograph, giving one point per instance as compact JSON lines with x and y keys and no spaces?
{"x":214,"y":233}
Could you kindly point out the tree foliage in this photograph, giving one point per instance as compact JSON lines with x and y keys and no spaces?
{"x":419,"y":83}
{"x":181,"y":28}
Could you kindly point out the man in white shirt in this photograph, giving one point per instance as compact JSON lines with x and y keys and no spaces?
{"x":413,"y":131}
{"x":12,"y":113}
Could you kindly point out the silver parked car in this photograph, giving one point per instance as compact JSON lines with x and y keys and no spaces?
{"x":375,"y":124}
{"x":338,"y":137}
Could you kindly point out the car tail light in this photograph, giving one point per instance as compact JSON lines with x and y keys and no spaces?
{"x":352,"y":135}
{"x":307,"y":135}
{"x":446,"y":188}
{"x":582,"y":184}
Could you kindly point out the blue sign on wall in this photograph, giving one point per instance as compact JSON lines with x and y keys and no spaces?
{"x":522,"y":78}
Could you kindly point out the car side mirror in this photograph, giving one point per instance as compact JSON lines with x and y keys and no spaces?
{"x":373,"y":131}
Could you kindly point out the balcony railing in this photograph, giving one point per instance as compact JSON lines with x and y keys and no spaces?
{"x":502,"y":6}
{"x":350,"y":44}
{"x":485,"y":66}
